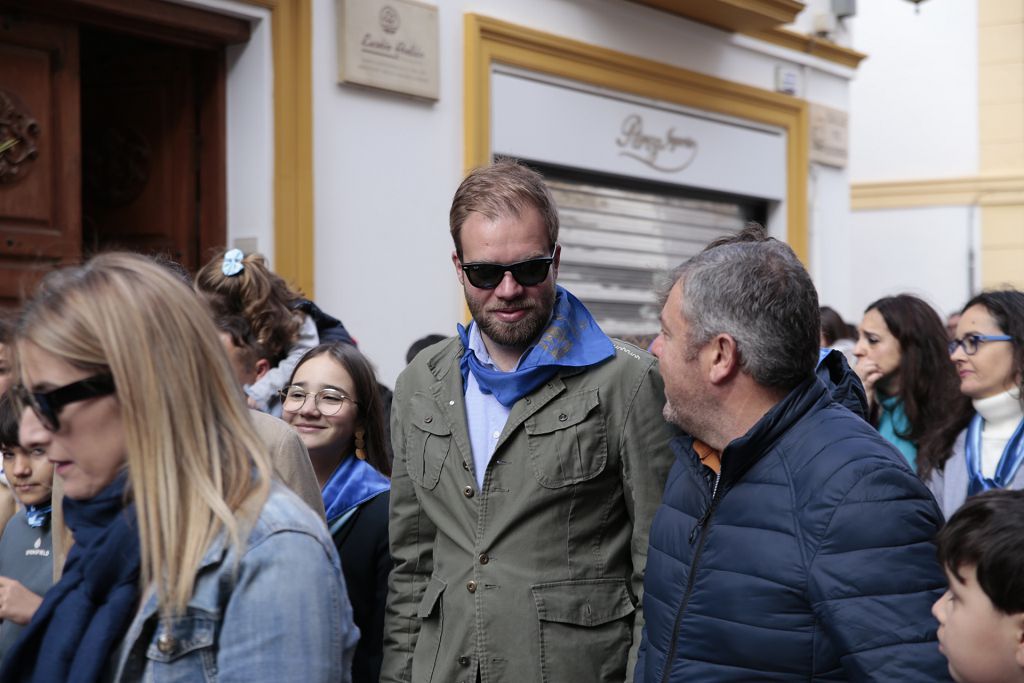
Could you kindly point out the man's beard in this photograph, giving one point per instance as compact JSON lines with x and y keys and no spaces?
{"x":521,"y":333}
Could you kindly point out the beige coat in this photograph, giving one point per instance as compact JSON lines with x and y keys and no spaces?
{"x":538,"y":576}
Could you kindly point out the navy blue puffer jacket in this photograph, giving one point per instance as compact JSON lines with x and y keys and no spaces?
{"x":812,"y":559}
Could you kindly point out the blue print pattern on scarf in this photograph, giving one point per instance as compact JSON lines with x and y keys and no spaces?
{"x":572,"y":339}
{"x":38,"y":515}
{"x":1009,"y":463}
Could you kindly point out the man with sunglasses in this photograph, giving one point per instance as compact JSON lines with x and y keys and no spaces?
{"x":530,"y":454}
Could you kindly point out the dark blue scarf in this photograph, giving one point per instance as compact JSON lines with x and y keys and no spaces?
{"x":571,"y":340}
{"x":353,"y":482}
{"x":85,"y":615}
{"x":1009,"y":463}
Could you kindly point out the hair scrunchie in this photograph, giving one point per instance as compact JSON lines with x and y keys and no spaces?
{"x":232,"y":262}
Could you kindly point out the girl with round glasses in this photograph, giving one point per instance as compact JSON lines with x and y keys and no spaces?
{"x":188,"y":563}
{"x":988,"y":451}
{"x":333,"y":402}
{"x":910,"y":384}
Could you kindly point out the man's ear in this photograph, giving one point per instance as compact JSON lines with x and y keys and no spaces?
{"x":724,"y":358}
{"x":558,"y":258}
{"x":1018,"y":634}
{"x":262,"y":368}
{"x":457,"y":262}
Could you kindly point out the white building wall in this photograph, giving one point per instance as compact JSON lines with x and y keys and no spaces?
{"x":914,"y":111}
{"x":932,"y":267}
{"x":913,"y":116}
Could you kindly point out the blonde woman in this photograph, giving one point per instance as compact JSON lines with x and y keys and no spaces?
{"x":189,"y":564}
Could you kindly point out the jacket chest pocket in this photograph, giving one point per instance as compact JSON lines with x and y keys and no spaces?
{"x":183,"y":650}
{"x":429,"y":438}
{"x":568,"y":440}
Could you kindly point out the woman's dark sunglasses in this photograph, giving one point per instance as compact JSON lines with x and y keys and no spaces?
{"x":48,"y":404}
{"x":527,"y":273}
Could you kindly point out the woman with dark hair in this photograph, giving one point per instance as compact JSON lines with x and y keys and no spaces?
{"x":902,"y":360}
{"x":988,"y":353}
{"x":333,"y":403}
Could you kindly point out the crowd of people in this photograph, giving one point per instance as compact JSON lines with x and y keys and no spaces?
{"x":204,"y":480}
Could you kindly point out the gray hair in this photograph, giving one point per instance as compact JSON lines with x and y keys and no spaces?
{"x":760,"y":294}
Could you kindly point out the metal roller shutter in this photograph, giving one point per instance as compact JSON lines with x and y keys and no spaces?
{"x":618,"y":243}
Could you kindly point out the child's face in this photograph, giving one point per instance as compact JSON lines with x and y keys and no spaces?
{"x":30,"y":474}
{"x":981,"y":643}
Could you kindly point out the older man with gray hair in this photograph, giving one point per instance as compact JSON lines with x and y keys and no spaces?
{"x":792,"y":543}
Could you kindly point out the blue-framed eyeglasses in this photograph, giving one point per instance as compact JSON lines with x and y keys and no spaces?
{"x":972,"y":342}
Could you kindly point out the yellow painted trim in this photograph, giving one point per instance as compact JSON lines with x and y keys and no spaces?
{"x":984,"y":190}
{"x":490,"y":41}
{"x":291,"y":28}
{"x":732,"y":15}
{"x":811,"y":45}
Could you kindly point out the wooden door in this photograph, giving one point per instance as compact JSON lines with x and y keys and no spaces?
{"x":40,"y":166}
{"x":140,"y":149}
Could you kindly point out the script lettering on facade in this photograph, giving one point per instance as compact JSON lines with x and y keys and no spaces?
{"x":669,"y":153}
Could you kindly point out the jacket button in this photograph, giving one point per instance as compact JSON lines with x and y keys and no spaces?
{"x":465,"y":465}
{"x":165,"y":643}
{"x":471,"y":586}
{"x":468,"y":492}
{"x":428,"y":419}
{"x":563,"y":417}
{"x":484,"y":559}
{"x":464,"y":661}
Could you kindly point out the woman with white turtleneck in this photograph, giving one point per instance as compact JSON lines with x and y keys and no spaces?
{"x":989,"y":357}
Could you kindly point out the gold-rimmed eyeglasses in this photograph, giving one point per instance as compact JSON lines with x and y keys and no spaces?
{"x":327,"y":401}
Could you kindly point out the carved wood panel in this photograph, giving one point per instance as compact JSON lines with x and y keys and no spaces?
{"x":40,"y":200}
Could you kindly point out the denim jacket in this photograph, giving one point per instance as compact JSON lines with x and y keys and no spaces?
{"x":278,"y":613}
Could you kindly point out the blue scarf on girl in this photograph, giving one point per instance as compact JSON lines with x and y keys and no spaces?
{"x":353,"y":482}
{"x":1009,"y":463}
{"x":85,"y":615}
{"x":571,"y":340}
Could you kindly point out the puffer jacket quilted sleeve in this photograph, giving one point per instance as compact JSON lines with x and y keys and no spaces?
{"x":812,"y":559}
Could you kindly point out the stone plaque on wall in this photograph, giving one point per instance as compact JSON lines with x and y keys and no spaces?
{"x":829,"y":136}
{"x":389,"y":44}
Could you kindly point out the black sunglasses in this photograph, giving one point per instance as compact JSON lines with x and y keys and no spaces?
{"x":48,"y":404}
{"x":527,"y":273}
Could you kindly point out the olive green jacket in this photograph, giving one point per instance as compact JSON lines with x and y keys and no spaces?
{"x":538,"y":576}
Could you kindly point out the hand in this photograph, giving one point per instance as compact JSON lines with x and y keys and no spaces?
{"x":17,"y":603}
{"x":869,"y":374}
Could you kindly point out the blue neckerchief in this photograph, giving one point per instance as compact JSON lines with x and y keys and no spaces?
{"x":84,"y":616}
{"x":353,"y":481}
{"x":38,"y":515}
{"x":571,"y":340}
{"x":1009,"y":463}
{"x":893,"y":424}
